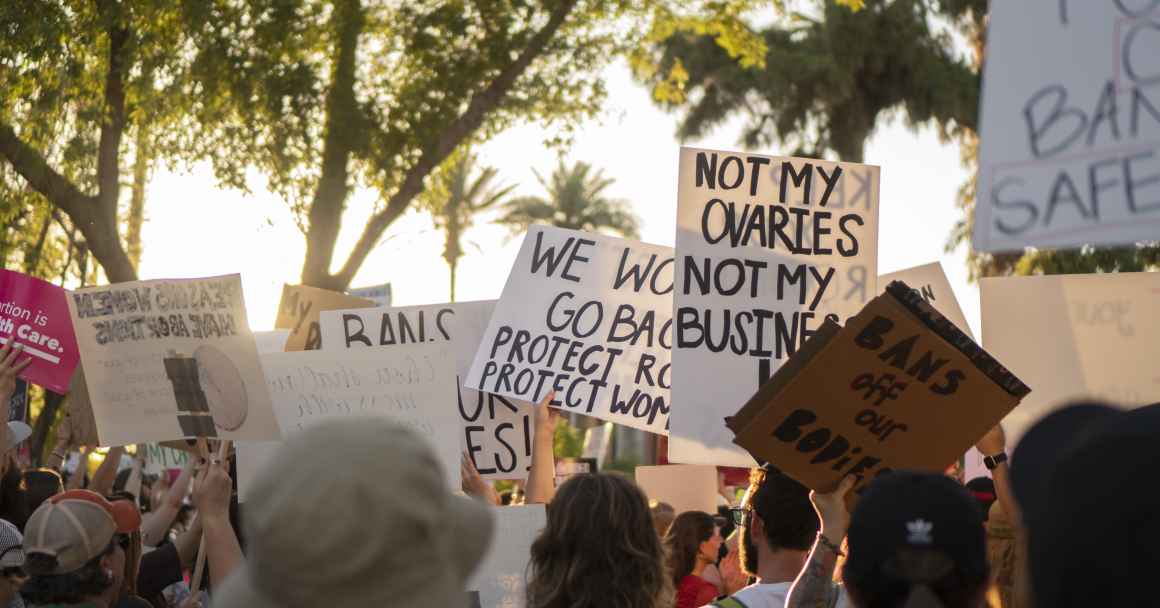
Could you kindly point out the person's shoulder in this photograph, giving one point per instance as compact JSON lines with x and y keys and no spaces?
{"x":757,"y":595}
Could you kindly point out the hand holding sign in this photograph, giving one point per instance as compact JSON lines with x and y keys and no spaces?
{"x":833,"y":511}
{"x":10,"y":368}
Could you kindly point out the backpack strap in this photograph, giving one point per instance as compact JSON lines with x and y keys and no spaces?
{"x":729,"y":602}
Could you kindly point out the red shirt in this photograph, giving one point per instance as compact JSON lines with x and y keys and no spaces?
{"x":694,"y":592}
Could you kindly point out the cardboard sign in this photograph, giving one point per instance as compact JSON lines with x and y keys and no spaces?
{"x":899,"y":387}
{"x":500,"y":579}
{"x":299,"y":309}
{"x":18,"y":402}
{"x":159,"y":459}
{"x":1069,"y":153}
{"x":379,"y":294}
{"x":495,"y":431}
{"x":410,"y":387}
{"x":767,"y":247}
{"x":1075,"y":337}
{"x":687,"y":487}
{"x":34,"y":313}
{"x":931,"y":282}
{"x":171,"y":358}
{"x":271,"y":341}
{"x":588,"y":316}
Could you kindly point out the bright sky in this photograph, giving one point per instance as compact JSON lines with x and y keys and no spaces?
{"x":195,"y":229}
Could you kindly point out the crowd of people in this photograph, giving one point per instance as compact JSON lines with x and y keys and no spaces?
{"x":356,"y":512}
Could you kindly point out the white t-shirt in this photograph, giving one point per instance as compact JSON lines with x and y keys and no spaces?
{"x":773,"y":595}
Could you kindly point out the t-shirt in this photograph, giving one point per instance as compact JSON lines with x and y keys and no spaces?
{"x":759,"y":595}
{"x":160,"y":568}
{"x":695,"y":591}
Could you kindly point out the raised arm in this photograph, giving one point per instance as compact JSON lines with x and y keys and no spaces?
{"x":77,"y":481}
{"x":10,"y":368}
{"x":106,"y":474}
{"x":814,"y":587}
{"x":993,"y":444}
{"x":157,"y":522}
{"x":211,"y":495}
{"x":473,"y":483}
{"x":541,"y":485}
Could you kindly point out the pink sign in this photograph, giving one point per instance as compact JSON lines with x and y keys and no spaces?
{"x":35,"y":313}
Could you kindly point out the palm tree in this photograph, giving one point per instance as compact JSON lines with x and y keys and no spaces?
{"x":576,"y":200}
{"x":454,"y":198}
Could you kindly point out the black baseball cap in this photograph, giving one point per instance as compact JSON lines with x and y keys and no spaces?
{"x":904,"y":514}
{"x":1085,"y":480}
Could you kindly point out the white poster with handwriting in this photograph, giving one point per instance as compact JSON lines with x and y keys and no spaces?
{"x":587,"y":316}
{"x":171,"y":358}
{"x":931,"y":281}
{"x":1074,"y":336}
{"x":1069,"y":150}
{"x":767,"y":247}
{"x":411,"y":388}
{"x":495,"y":431}
{"x":500,"y":579}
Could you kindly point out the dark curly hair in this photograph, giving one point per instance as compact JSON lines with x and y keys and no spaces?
{"x":784,"y":507}
{"x":73,"y":587}
{"x":598,"y":549}
{"x":683,"y":541}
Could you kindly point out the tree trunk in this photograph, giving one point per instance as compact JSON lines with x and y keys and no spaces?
{"x":453,"y":265}
{"x":34,"y":258}
{"x":137,"y":198}
{"x":43,"y":424}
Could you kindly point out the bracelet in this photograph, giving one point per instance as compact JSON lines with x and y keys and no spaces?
{"x":828,"y":544}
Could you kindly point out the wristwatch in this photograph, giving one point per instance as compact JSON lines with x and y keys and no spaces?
{"x":993,"y":461}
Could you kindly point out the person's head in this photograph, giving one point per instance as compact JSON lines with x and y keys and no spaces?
{"x":74,"y":548}
{"x":982,"y":489}
{"x":598,"y":548}
{"x":381,"y":529}
{"x":12,"y":574}
{"x":693,"y":539}
{"x":916,"y":539}
{"x":662,"y":514}
{"x":778,"y":516}
{"x":1096,"y":546}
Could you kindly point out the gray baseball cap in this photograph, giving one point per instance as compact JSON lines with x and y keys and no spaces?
{"x":356,"y":512}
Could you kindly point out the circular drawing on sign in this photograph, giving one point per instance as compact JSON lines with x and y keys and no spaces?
{"x":224,"y":389}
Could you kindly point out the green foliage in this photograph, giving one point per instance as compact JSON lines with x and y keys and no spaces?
{"x":568,"y":442}
{"x":576,"y":201}
{"x":825,"y":80}
{"x":623,"y":465}
{"x":454,"y":195}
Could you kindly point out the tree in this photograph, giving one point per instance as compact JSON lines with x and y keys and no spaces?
{"x":575,"y":200}
{"x":826,"y":80}
{"x":455,"y":197}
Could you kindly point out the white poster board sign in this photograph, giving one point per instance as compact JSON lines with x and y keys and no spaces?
{"x":496,"y":432}
{"x":687,"y":487}
{"x":500,"y":578}
{"x":932,"y":283}
{"x":273,"y":341}
{"x":1074,"y":336}
{"x":588,"y":316}
{"x":411,"y":388}
{"x":171,"y":358}
{"x":766,"y":248}
{"x":1069,"y":153}
{"x":159,"y":459}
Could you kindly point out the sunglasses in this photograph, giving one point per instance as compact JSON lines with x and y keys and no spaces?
{"x":739,"y":515}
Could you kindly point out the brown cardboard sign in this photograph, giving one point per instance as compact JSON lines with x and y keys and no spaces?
{"x":299,"y":309}
{"x":899,"y":387}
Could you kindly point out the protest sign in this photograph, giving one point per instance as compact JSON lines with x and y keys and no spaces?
{"x":496,"y":432}
{"x":411,"y":388}
{"x":931,"y":282}
{"x":569,"y":467}
{"x":298,"y":312}
{"x":1075,"y":336}
{"x":379,"y":294}
{"x":1069,"y":151}
{"x":500,"y":579}
{"x":588,"y":316}
{"x":18,"y":402}
{"x":899,"y":387}
{"x":271,"y":341}
{"x":687,"y":487}
{"x":34,"y":313}
{"x":170,"y":358}
{"x":767,"y":247}
{"x":160,"y":459}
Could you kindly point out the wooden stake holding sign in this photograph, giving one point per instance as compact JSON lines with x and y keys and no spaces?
{"x":199,"y":567}
{"x":899,"y":387}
